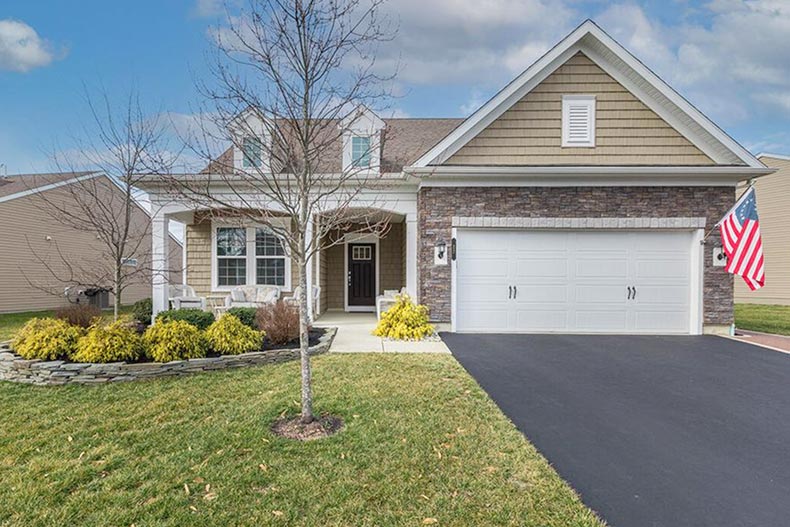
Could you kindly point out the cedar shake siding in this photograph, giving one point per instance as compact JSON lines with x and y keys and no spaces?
{"x":24,"y":241}
{"x":437,"y":206}
{"x":627,"y":131}
{"x":773,"y":207}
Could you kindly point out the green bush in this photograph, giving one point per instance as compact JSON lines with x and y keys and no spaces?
{"x":245,"y":314}
{"x":197,"y":317}
{"x":114,"y":342}
{"x":229,"y":336}
{"x":46,"y":339}
{"x":174,"y":340}
{"x":142,"y":311}
{"x":404,"y":321}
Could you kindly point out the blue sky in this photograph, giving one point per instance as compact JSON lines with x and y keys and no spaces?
{"x":731,"y":58}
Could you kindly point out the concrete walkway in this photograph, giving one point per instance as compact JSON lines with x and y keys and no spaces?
{"x":354,"y":336}
{"x":769,"y":340}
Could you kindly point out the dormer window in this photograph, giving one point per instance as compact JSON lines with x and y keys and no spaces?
{"x":578,"y":121}
{"x":360,"y":151}
{"x":252,"y":149}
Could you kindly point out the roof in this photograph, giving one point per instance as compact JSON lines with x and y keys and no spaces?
{"x":404,"y":141}
{"x":19,"y":185}
{"x":626,"y":69}
{"x":782,"y":157}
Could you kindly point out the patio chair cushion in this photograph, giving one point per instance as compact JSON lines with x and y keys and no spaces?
{"x":237,"y":295}
{"x":266,"y":294}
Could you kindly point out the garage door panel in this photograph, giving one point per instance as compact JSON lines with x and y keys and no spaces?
{"x":677,"y":295}
{"x":477,"y":268}
{"x":601,"y":320}
{"x":601,"y":268}
{"x":473,"y":319}
{"x":541,"y":320}
{"x":655,"y":321}
{"x":601,"y":294}
{"x":485,"y":293}
{"x":663,"y":269}
{"x":537,"y":268}
{"x":542,"y":294}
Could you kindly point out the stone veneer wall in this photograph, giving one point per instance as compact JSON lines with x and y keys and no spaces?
{"x":437,"y":206}
{"x":53,"y":373}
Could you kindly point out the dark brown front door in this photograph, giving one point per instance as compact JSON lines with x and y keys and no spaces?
{"x":361,"y":274}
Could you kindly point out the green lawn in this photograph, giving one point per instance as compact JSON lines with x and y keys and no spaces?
{"x":422,"y":441}
{"x":760,"y":317}
{"x":11,"y":322}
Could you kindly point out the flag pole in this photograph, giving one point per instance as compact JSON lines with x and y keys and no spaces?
{"x":749,"y":186}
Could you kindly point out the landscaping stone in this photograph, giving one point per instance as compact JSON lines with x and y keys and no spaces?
{"x":14,"y":368}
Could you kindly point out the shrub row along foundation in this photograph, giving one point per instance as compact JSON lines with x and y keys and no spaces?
{"x":57,"y":372}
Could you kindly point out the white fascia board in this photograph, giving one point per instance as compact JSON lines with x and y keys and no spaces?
{"x":782,"y":157}
{"x":49,"y":186}
{"x":554,"y":58}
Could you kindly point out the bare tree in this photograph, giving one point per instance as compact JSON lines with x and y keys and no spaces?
{"x":118,"y":145}
{"x":290,"y":80}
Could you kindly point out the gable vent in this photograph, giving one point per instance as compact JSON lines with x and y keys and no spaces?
{"x":578,"y":120}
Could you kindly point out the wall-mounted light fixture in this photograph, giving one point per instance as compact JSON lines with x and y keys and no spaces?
{"x":440,"y":253}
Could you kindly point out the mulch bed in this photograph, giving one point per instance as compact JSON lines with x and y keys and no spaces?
{"x":293,"y":428}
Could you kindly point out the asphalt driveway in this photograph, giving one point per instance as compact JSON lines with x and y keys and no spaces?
{"x":651,"y":431}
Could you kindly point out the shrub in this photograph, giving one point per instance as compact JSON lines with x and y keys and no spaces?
{"x":46,"y":339}
{"x":197,"y":317}
{"x":174,"y":340}
{"x":82,"y":315}
{"x":229,"y":336}
{"x":404,"y":321}
{"x":245,"y":314}
{"x":142,"y":311}
{"x":114,"y":342}
{"x":280,"y":322}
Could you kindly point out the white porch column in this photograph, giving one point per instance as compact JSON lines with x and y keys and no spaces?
{"x":159,"y":259}
{"x":411,"y":256}
{"x":309,"y":236}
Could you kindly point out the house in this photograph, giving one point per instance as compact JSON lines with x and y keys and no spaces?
{"x":39,"y":250}
{"x":575,"y":200}
{"x":773,"y":206}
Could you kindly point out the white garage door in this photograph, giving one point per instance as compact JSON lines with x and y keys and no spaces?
{"x":573,"y":281}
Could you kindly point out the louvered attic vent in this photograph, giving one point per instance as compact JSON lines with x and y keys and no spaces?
{"x":578,"y":120}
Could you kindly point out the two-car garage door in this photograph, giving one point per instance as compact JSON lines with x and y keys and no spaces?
{"x":573,"y":281}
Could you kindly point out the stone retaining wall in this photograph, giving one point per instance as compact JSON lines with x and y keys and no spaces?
{"x":52,"y":373}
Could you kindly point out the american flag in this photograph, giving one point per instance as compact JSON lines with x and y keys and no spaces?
{"x":740,"y":235}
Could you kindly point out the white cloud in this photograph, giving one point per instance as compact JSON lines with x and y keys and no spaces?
{"x":21,"y":48}
{"x":207,"y":8}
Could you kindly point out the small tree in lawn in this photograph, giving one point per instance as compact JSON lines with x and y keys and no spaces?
{"x":121,"y":143}
{"x":290,"y":79}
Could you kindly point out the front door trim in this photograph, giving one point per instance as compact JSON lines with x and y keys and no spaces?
{"x":358,"y":238}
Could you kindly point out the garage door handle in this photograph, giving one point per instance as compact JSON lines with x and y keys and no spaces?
{"x":634,"y":291}
{"x":509,"y":292}
{"x":629,"y":292}
{"x":515,"y":291}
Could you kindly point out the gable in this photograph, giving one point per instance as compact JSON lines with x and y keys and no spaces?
{"x":627,"y":131}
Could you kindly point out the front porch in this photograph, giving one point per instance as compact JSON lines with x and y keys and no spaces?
{"x":352,"y":269}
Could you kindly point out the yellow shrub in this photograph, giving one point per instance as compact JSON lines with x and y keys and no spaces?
{"x":404,"y":321}
{"x":46,"y":339}
{"x":229,"y":336}
{"x":176,"y":340}
{"x":114,"y":342}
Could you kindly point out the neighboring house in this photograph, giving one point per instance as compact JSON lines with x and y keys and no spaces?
{"x":35,"y":244}
{"x":575,"y":200}
{"x":773,"y":207}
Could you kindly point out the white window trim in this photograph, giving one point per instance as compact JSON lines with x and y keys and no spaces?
{"x":251,"y":257}
{"x":567,"y":100}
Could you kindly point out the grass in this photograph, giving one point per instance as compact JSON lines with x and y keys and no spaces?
{"x":422,"y":442}
{"x":761,"y":317}
{"x":10,"y":323}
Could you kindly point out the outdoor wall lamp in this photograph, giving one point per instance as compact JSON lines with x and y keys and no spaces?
{"x":441,"y":249}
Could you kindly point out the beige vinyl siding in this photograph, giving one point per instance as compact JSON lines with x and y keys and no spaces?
{"x":23,"y":238}
{"x":627,"y":131}
{"x":198,"y":247}
{"x":773,"y":207}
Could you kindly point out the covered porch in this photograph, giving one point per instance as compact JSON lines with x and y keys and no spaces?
{"x":351,"y":270}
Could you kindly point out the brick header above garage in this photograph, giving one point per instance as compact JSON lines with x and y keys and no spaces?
{"x":578,"y":223}
{"x":441,"y":208}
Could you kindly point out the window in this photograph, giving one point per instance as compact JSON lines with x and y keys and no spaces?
{"x":578,"y":120}
{"x":249,"y":256}
{"x":361,"y":252}
{"x":231,"y":256}
{"x":251,"y":149}
{"x":360,"y":151}
{"x":269,"y":258}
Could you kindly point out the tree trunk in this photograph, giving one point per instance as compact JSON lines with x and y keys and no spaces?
{"x":304,"y":344}
{"x":116,"y":305}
